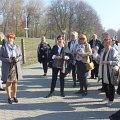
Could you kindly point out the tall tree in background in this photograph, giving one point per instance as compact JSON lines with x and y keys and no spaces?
{"x":58,"y":17}
{"x":112,"y":32}
{"x":79,"y":16}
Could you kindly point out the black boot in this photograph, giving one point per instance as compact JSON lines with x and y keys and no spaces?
{"x":62,"y":93}
{"x":49,"y":95}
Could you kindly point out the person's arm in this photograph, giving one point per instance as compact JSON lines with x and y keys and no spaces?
{"x":3,"y":58}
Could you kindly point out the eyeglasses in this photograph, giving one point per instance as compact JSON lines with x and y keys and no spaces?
{"x":81,"y":38}
{"x":106,"y":39}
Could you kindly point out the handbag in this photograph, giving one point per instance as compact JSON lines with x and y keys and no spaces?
{"x":89,"y":66}
{"x":115,"y":75}
{"x":57,"y":63}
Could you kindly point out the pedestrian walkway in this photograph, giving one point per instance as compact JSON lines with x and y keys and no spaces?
{"x":33,"y":106}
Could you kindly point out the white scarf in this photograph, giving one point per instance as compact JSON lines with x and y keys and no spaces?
{"x":105,"y":75}
{"x":11,"y":50}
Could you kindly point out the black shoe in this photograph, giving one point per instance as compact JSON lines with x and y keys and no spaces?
{"x":15,"y":100}
{"x":10,"y":101}
{"x":2,"y":89}
{"x":77,"y":80}
{"x":84,"y":93}
{"x":45,"y":74}
{"x":49,"y":95}
{"x":62,"y":95}
{"x":101,"y":89}
{"x":79,"y":92}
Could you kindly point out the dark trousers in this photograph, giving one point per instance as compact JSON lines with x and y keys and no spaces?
{"x":74,"y":73}
{"x":54,"y":79}
{"x":81,"y":74}
{"x":94,"y":72}
{"x":45,"y":67}
{"x":109,"y":91}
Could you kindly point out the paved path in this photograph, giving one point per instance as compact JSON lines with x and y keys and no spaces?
{"x":33,"y":106}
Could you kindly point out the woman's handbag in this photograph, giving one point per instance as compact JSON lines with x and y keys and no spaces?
{"x":57,"y":63}
{"x":115,"y":75}
{"x":89,"y":66}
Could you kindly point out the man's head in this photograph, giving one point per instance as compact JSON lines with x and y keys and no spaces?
{"x":74,"y":35}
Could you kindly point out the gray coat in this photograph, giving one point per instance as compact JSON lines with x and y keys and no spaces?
{"x":6,"y":65}
{"x":113,"y":59}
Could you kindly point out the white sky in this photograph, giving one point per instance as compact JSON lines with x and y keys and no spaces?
{"x":108,"y":11}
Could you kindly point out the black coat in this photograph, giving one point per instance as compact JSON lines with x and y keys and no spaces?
{"x":43,"y":53}
{"x":97,"y":43}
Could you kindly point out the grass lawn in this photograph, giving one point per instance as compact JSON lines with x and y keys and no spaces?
{"x":31,"y":45}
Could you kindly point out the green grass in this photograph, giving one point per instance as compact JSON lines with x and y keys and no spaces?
{"x":31,"y":46}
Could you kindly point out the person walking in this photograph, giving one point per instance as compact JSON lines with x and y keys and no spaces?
{"x":10,"y":55}
{"x":43,"y":53}
{"x":59,"y":57}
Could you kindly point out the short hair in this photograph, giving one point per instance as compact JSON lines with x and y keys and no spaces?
{"x":74,"y":33}
{"x":59,"y":36}
{"x":11,"y":35}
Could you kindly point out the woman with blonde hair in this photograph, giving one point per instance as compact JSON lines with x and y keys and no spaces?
{"x":10,"y":55}
{"x":83,"y":51}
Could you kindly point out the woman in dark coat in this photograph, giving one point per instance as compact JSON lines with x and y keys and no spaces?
{"x":59,"y":57}
{"x":44,"y":50}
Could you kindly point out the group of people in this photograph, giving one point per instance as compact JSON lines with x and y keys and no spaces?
{"x":10,"y":56}
{"x":73,"y":57}
{"x":64,"y":58}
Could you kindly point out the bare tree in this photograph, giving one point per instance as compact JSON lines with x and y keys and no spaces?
{"x":33,"y":10}
{"x":112,"y":32}
{"x":73,"y":15}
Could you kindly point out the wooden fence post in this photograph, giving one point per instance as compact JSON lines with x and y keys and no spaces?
{"x":23,"y":51}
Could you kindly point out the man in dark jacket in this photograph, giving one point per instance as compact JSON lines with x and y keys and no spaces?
{"x":96,"y":48}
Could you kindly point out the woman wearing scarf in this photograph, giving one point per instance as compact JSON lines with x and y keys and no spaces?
{"x":107,"y":60}
{"x":10,"y":56}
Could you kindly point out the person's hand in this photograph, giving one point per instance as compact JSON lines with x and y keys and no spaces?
{"x":10,"y":60}
{"x":66,"y":58}
{"x":16,"y":60}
